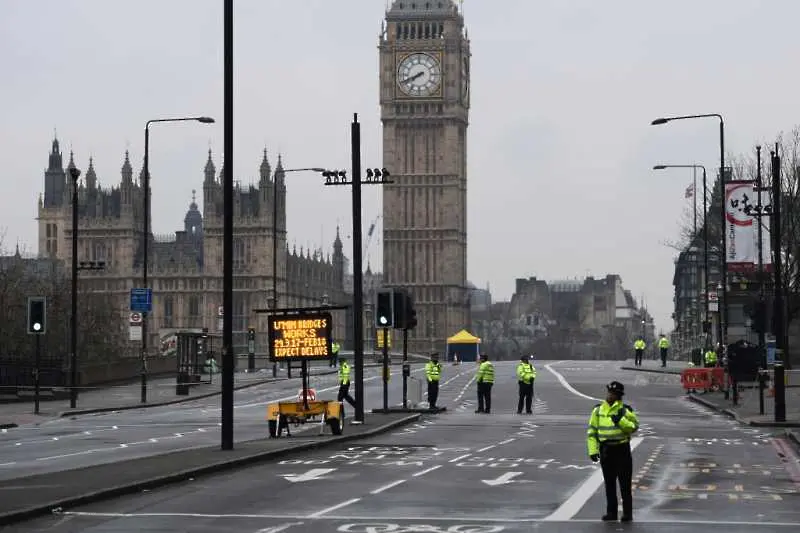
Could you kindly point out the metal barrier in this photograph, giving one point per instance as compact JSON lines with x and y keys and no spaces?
{"x":415,"y":391}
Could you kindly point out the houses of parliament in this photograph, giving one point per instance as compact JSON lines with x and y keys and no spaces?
{"x":185,"y":268}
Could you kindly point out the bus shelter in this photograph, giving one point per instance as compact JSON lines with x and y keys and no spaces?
{"x":463,"y":345}
{"x":196,"y":359}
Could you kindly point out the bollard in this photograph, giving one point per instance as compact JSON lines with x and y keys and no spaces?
{"x":780,"y":393}
{"x":762,"y":378}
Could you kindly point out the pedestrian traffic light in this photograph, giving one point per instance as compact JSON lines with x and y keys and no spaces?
{"x":251,"y":334}
{"x":37,"y":324}
{"x":384,"y":309}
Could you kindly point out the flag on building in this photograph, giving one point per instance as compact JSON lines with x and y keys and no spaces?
{"x":689,"y":191}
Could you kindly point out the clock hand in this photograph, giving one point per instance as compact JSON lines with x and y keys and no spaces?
{"x":412,"y":78}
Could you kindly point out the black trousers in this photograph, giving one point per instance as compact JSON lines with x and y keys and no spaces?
{"x":526,"y":397}
{"x":344,"y":394}
{"x":663,"y":357}
{"x":484,"y":397}
{"x":616,"y":462}
{"x":638,"y":359}
{"x":433,"y":393}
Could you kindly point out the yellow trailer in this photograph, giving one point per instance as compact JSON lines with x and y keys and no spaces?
{"x":323,"y":412}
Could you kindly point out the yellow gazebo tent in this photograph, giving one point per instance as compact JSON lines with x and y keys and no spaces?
{"x":465,"y":345}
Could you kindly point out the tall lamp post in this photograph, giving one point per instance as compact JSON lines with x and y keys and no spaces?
{"x":722,"y":331}
{"x":84,"y":265}
{"x":279,"y":173}
{"x":146,"y":235}
{"x":706,"y":328}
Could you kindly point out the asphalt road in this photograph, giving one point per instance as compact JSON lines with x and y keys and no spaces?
{"x":461,"y":472}
{"x":86,"y":440}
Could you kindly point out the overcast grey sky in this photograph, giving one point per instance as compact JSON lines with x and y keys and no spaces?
{"x":560,"y":147}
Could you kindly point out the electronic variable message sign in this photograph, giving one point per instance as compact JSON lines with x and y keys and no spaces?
{"x":301,"y":336}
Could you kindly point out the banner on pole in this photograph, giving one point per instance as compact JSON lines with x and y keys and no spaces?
{"x":740,"y":237}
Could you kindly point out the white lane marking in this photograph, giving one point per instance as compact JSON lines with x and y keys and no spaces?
{"x":8,"y":464}
{"x":421,"y":473}
{"x":486,"y":448}
{"x":452,"y":379}
{"x":512,"y":439}
{"x":464,"y":389}
{"x":575,"y":503}
{"x":334,"y":508}
{"x":457,"y":459}
{"x":278,"y":529}
{"x":62,"y":456}
{"x":416,"y":518}
{"x":388,"y":486}
{"x":569,"y":387}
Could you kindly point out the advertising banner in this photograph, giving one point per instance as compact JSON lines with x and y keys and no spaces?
{"x":740,"y":237}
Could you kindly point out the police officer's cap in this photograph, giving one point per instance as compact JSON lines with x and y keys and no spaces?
{"x":616,"y":387}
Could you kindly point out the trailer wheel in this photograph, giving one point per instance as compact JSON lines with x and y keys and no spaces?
{"x":273,"y":428}
{"x":337,"y":425}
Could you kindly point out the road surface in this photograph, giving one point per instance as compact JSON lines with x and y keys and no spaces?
{"x":86,"y":440}
{"x":461,"y":472}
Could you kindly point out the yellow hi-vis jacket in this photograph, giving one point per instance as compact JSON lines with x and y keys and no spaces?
{"x":639,"y":345}
{"x":526,"y":373}
{"x":433,"y":371}
{"x":612,"y":424}
{"x":344,"y":373}
{"x":663,"y":342}
{"x":485,"y":373}
{"x":711,"y":357}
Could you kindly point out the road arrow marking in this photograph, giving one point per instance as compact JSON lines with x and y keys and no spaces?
{"x":311,"y":475}
{"x":505,"y":479}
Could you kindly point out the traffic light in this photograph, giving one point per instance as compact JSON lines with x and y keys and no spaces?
{"x":400,"y":298}
{"x":37,"y":324}
{"x":251,"y":334}
{"x":384,"y":309}
{"x":411,"y":320}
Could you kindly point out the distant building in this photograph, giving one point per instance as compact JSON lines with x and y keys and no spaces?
{"x":185,"y":269}
{"x":587,"y":319}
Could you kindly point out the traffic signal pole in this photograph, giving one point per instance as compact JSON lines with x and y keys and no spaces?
{"x":406,"y":368}
{"x":358,"y":271}
{"x":385,"y":369}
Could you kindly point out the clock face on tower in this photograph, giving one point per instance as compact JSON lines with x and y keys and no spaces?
{"x":419,"y":75}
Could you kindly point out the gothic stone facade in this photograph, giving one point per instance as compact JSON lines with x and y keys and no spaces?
{"x":424,"y":97}
{"x":185,"y":269}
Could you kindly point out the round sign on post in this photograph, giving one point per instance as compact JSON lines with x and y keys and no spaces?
{"x":136,"y":318}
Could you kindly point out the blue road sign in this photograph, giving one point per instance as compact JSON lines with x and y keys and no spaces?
{"x":142,"y":300}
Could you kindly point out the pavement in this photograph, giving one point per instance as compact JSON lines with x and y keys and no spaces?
{"x":461,"y":472}
{"x":650,"y":365}
{"x":56,"y":444}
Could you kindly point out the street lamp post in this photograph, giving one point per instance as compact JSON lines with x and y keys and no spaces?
{"x":706,"y":322}
{"x":146,"y":235}
{"x":73,"y":371}
{"x":280,"y":173}
{"x":722,"y":331}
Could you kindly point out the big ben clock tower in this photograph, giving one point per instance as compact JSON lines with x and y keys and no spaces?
{"x":424,"y":96}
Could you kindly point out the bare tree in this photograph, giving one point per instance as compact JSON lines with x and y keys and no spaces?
{"x":101,"y":335}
